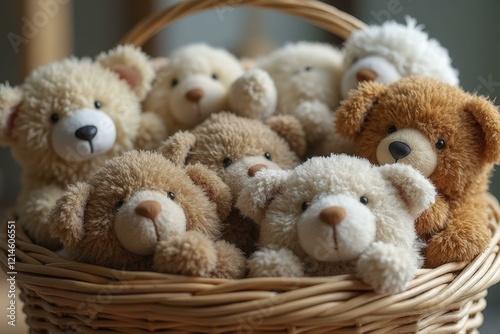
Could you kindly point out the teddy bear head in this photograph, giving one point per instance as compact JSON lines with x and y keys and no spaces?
{"x":133,"y":202}
{"x":305,"y":71}
{"x":70,"y":116}
{"x":236,"y":147}
{"x":387,"y":53}
{"x":332,"y":208}
{"x":449,"y":135}
{"x":193,"y":84}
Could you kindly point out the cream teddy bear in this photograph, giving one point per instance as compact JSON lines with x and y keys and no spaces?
{"x":67,"y":119}
{"x":337,"y":215}
{"x":193,"y":83}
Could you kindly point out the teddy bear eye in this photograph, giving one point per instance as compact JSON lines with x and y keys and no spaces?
{"x":440,"y":144}
{"x":267,"y":155}
{"x":363,"y":200}
{"x":97,"y":104}
{"x":171,"y":195}
{"x":391,"y":129}
{"x":54,"y":118}
{"x":227,"y":162}
{"x":119,"y":204}
{"x":174,"y":82}
{"x":308,"y":68}
{"x":305,"y":205}
{"x":215,"y":76}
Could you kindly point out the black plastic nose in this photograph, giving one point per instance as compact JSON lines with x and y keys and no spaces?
{"x":399,"y":150}
{"x":86,"y":132}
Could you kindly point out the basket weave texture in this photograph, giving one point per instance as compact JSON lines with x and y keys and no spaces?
{"x":63,"y":296}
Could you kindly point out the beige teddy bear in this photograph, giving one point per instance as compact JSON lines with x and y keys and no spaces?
{"x":193,"y":83}
{"x":337,"y":215}
{"x":235,"y":148}
{"x":67,"y":119}
{"x":141,"y":212}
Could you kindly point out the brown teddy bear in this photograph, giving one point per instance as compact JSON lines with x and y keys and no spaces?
{"x":141,"y":212}
{"x":67,"y":119}
{"x":235,"y":148}
{"x":450,"y":136}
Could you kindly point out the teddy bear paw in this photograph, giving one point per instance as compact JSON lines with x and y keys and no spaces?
{"x":387,"y":268}
{"x":230,"y":261}
{"x":270,"y":262}
{"x":316,"y":118}
{"x":191,"y":254}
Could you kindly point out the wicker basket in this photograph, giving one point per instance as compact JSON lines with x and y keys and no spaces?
{"x":64,"y":296}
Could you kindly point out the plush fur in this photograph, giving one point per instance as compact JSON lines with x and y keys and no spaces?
{"x":193,"y":84}
{"x":392,"y":51}
{"x":322,"y":219}
{"x":449,"y":135}
{"x":45,"y":120}
{"x":141,"y":212}
{"x":301,"y":79}
{"x":235,"y":148}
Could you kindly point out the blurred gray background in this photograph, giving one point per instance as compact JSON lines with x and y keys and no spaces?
{"x":469,"y":29}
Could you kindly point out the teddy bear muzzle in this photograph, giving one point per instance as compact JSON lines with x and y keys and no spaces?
{"x":147,"y":218}
{"x":83,"y":134}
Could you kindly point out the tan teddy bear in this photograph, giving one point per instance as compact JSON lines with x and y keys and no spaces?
{"x":141,"y":212}
{"x":450,"y":136}
{"x":235,"y":148}
{"x":193,"y":83}
{"x":67,"y":119}
{"x":338,"y":215}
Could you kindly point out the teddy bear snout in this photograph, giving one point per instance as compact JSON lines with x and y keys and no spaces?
{"x":148,"y":209}
{"x":255,"y":168}
{"x":366,"y":75}
{"x":333,"y":215}
{"x":399,"y":150}
{"x":195,"y":95}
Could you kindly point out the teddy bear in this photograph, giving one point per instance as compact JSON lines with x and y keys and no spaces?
{"x":235,"y":148}
{"x":300,"y":79}
{"x":67,"y":118}
{"x":451,"y":136}
{"x":337,"y":215}
{"x":142,"y":212}
{"x":385,"y":53}
{"x":193,"y":83}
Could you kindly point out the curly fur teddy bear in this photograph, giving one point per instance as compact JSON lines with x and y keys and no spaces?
{"x":235,"y":148}
{"x":193,"y":84}
{"x":67,"y":118}
{"x":450,"y":136}
{"x":322,"y":219}
{"x":141,"y":212}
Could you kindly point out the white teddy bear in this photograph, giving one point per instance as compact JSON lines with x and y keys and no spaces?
{"x":192,"y":84}
{"x":391,"y":51}
{"x":338,"y":215}
{"x":301,"y":79}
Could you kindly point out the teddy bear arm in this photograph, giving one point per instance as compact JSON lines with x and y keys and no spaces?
{"x":230,"y":261}
{"x":316,"y":118}
{"x":152,"y":131}
{"x":433,"y":219}
{"x":191,"y":254}
{"x":275,"y":262}
{"x":388,"y":268}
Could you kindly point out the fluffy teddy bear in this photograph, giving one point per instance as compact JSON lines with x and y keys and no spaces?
{"x":450,"y":136}
{"x":338,"y":215}
{"x":392,"y":51}
{"x":235,"y":148}
{"x":142,"y":212}
{"x":301,"y":79}
{"x":67,"y":118}
{"x":193,"y":84}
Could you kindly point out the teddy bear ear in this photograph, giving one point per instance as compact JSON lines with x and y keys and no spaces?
{"x":415,"y":189}
{"x":488,"y":117}
{"x":351,"y":113}
{"x":132,"y":65}
{"x":259,"y":191}
{"x":177,"y":147}
{"x":213,"y":186}
{"x":290,"y":129}
{"x":10,"y":100}
{"x":159,"y":63}
{"x":66,"y":217}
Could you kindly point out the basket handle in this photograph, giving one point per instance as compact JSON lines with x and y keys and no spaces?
{"x":320,"y":14}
